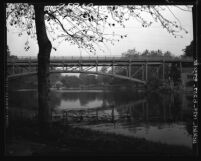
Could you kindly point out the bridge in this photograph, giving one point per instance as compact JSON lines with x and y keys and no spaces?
{"x":24,"y":66}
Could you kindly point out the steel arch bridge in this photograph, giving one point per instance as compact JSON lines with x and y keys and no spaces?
{"x":26,"y":66}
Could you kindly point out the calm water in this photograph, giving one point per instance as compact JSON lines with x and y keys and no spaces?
{"x":165,"y":118}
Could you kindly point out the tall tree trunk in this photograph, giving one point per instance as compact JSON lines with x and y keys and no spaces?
{"x":43,"y":67}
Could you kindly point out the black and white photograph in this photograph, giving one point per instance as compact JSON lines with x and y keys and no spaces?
{"x":87,"y":79}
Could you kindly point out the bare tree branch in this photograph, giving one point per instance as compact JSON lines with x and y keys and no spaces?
{"x":85,"y":26}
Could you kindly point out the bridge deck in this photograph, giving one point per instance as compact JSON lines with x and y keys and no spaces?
{"x":23,"y":61}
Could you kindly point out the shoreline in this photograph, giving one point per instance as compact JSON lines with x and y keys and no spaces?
{"x":63,"y":140}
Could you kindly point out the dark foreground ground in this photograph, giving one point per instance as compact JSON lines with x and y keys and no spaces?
{"x":22,"y":138}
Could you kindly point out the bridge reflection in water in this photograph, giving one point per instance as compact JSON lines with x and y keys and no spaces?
{"x":165,"y":117}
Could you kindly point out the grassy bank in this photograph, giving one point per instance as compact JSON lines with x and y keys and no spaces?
{"x":68,"y":140}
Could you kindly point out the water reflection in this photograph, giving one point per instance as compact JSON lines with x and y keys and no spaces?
{"x":174,"y":134}
{"x":157,"y":117}
{"x":83,"y":99}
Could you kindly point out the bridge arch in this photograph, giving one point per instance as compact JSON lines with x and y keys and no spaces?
{"x":15,"y":76}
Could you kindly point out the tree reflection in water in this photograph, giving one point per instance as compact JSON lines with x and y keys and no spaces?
{"x":83,"y":97}
{"x":126,"y":107}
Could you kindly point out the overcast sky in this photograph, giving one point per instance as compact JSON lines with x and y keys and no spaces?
{"x":151,"y":38}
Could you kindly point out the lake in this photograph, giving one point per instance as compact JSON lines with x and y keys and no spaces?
{"x":165,"y":118}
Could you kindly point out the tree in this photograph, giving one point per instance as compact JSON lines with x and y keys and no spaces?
{"x":9,"y":56}
{"x":18,"y":12}
{"x":58,"y":84}
{"x":83,"y":78}
{"x":7,"y":51}
{"x":80,"y":25}
{"x":102,"y":79}
{"x":54,"y":78}
{"x":131,"y":53}
{"x":91,"y":79}
{"x":189,"y":50}
{"x":175,"y":74}
{"x":152,"y":70}
{"x":167,"y":54}
{"x":87,"y":79}
{"x":145,"y":53}
{"x":71,"y":81}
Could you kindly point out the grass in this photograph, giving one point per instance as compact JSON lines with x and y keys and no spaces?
{"x":66,"y":140}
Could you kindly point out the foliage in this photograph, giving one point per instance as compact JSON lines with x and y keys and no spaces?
{"x":130,"y":53}
{"x":23,"y":83}
{"x":86,"y":79}
{"x":7,"y":51}
{"x":146,"y":53}
{"x":84,"y":25}
{"x":30,"y":82}
{"x":91,"y":79}
{"x":168,"y":54}
{"x":152,"y":71}
{"x":58,"y":84}
{"x":54,"y":77}
{"x":175,"y":74}
{"x":189,"y":50}
{"x":70,"y":81}
{"x":9,"y":56}
{"x":102,"y":79}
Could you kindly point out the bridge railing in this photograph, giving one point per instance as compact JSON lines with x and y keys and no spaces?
{"x":115,"y":57}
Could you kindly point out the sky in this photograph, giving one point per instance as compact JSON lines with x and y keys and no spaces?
{"x":151,"y":38}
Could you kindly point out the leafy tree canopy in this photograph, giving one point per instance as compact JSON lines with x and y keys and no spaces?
{"x":84,"y":25}
{"x":158,"y":53}
{"x":189,"y":50}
